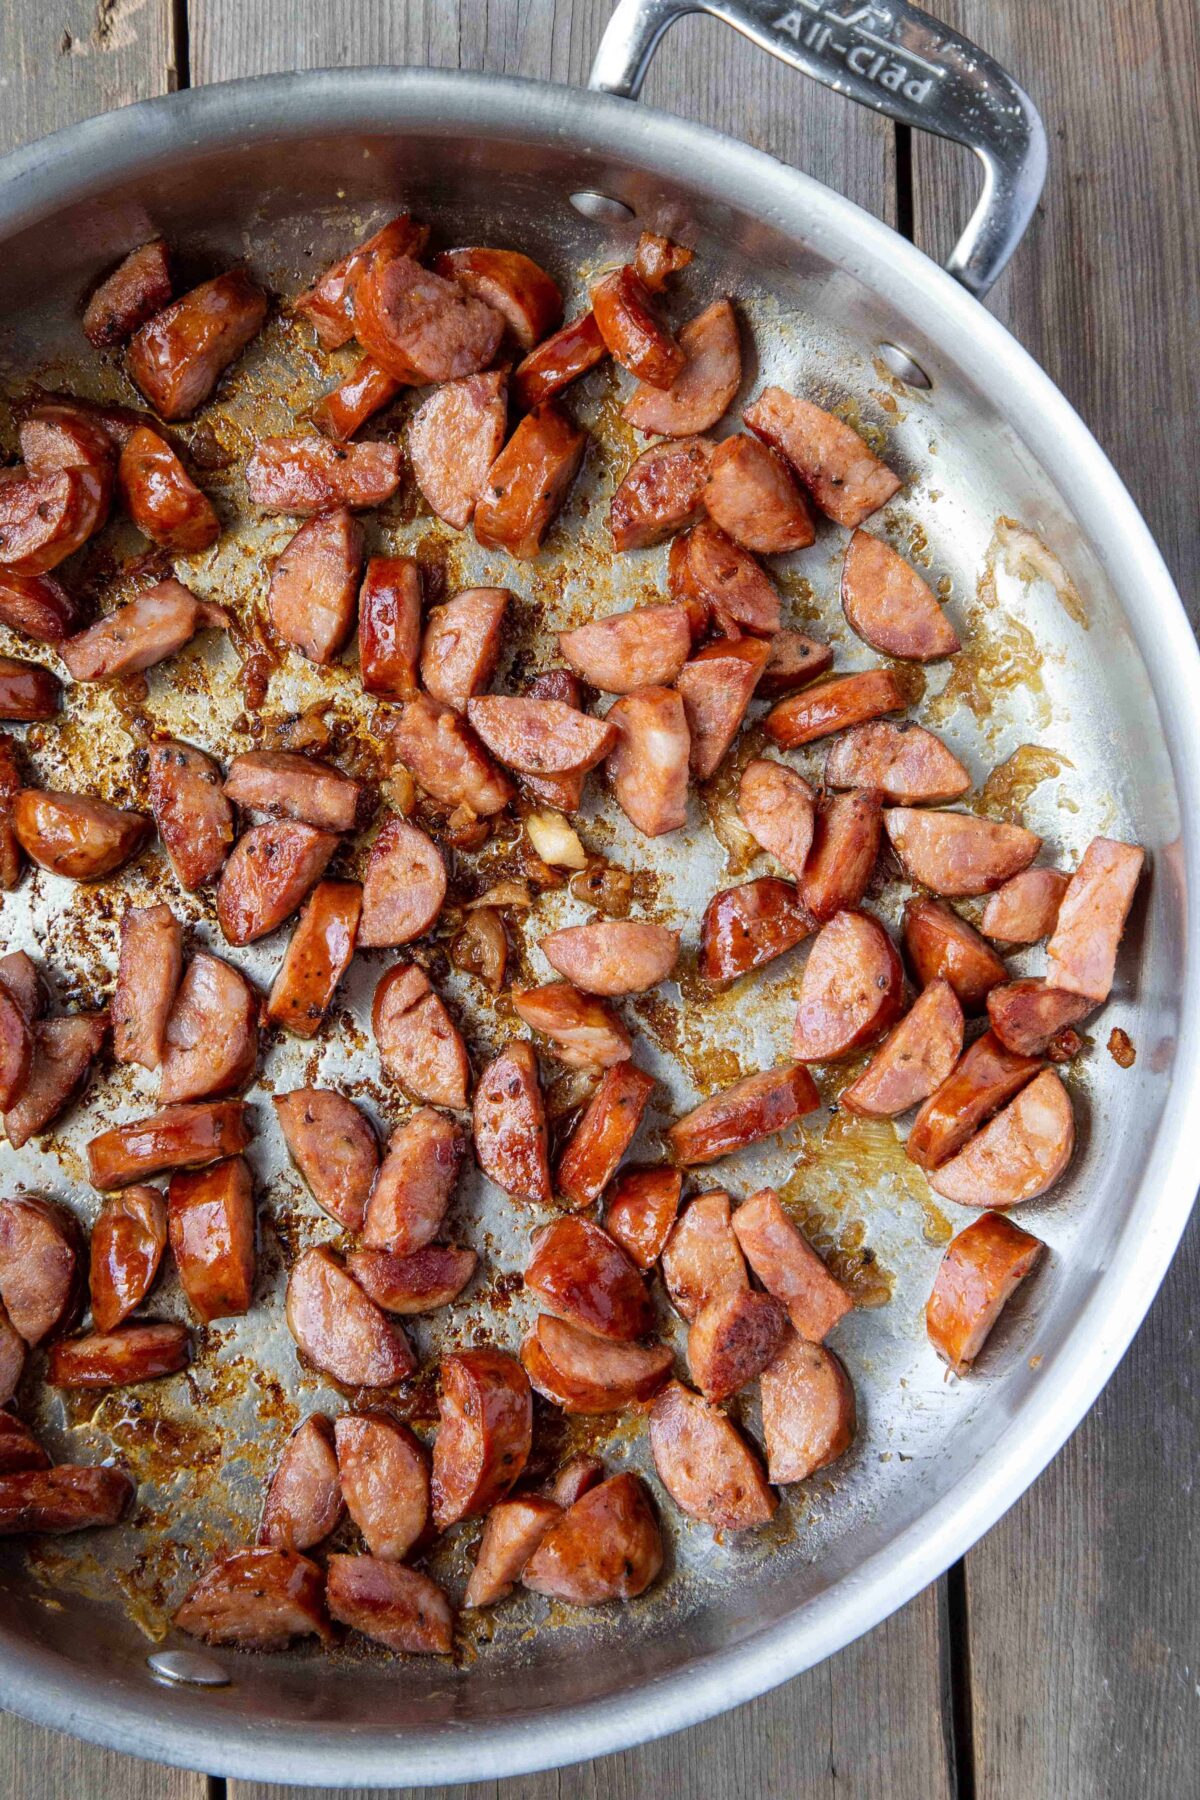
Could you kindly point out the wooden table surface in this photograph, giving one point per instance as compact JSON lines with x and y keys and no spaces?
{"x":1062,"y":1658}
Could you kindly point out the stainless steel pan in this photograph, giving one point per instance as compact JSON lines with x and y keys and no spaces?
{"x":1076,"y":643}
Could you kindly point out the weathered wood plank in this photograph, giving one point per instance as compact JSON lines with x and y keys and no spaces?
{"x":80,"y":57}
{"x":45,"y":1765}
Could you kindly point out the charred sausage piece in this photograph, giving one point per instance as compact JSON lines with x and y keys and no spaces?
{"x":902,"y":761}
{"x":63,"y":1053}
{"x":162,"y":499}
{"x":808,"y":1411}
{"x":747,"y":926}
{"x":329,"y":304}
{"x":12,"y":861}
{"x":420,"y":327}
{"x":68,"y":1498}
{"x":404,"y":886}
{"x":419,"y":1044}
{"x":701,"y":393}
{"x":211,"y":1040}
{"x":914,"y":1060}
{"x":385,"y":1482}
{"x":605,"y":1547}
{"x":210,"y":1215}
{"x":27,"y":691}
{"x":178,"y":1137}
{"x":788,"y":1267}
{"x":586,"y":1033}
{"x":66,"y":435}
{"x":942,"y":946}
{"x":418,"y":1283}
{"x":339,"y":1329}
{"x":17,"y":1046}
{"x":981,"y":1270}
{"x":46,"y":518}
{"x":540,"y":737}
{"x":629,"y":650}
{"x":39,"y":606}
{"x":455,"y":436}
{"x":140,"y":634}
{"x":75,"y":835}
{"x":793,"y":661}
{"x":365,"y":391}
{"x":845,"y":846}
{"x":701,"y":1260}
{"x":396,"y":1606}
{"x":1029,"y":1016}
{"x":389,"y":626}
{"x":311,"y":475}
{"x":633,"y":334}
{"x":194,"y":819}
{"x":19,"y":1449}
{"x":756,"y":1107}
{"x":125,"y":1358}
{"x":890,"y":606}
{"x":148,"y":974}
{"x":705,"y":1464}
{"x":579,"y":1274}
{"x":510,"y":1125}
{"x":23,"y":980}
{"x":650,"y":765}
{"x":1082,"y":954}
{"x":271,"y":869}
{"x":291,"y":786}
{"x":582,"y":1373}
{"x":661,"y":494}
{"x":1025,"y":909}
{"x":777,"y":807}
{"x":752,"y":495}
{"x":138,"y":287}
{"x":529,"y":481}
{"x":708,"y":570}
{"x":517,"y":287}
{"x":316,"y":958}
{"x":334,"y":1148}
{"x":560,"y":359}
{"x":415,"y":1184}
{"x":657,"y":258}
{"x":1018,"y":1155}
{"x":128,"y":1239}
{"x":833,"y":705}
{"x":446,"y":759}
{"x":717,"y":687}
{"x":958,"y":853}
{"x":257,"y":1600}
{"x":41,"y":1266}
{"x":179,"y":355}
{"x":314,"y":586}
{"x":847,"y":481}
{"x":985,"y":1077}
{"x":304,"y":1500}
{"x":462,"y":643}
{"x":485,"y":1433}
{"x":642,"y":1211}
{"x":513,"y":1532}
{"x":613,"y":956}
{"x":852,"y":989}
{"x":733,"y":1339}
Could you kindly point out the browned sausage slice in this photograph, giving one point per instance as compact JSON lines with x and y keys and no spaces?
{"x":23,"y":980}
{"x":528,"y":482}
{"x":710,"y":574}
{"x":421,"y":327}
{"x":210,"y":1214}
{"x":76,"y":835}
{"x":705,"y":1463}
{"x":717,"y":687}
{"x":385,"y":1482}
{"x":613,"y":956}
{"x":178,"y":1137}
{"x":629,"y":650}
{"x":579,"y":1274}
{"x":462,"y":643}
{"x":582,"y":1373}
{"x":701,"y":1260}
{"x":316,"y":958}
{"x":39,"y":606}
{"x":1082,"y":954}
{"x":257,"y":1600}
{"x":389,"y":626}
{"x":649,"y":767}
{"x":419,"y":1045}
{"x":41,"y":1266}
{"x":981,"y":1270}
{"x":745,"y":927}
{"x":455,"y":436}
{"x":128,"y":1239}
{"x":510,"y":1125}
{"x":788,"y":1267}
{"x":733,"y":1339}
{"x":485,"y":1433}
{"x":304,"y":1500}
{"x":339,"y":1329}
{"x":148,"y":972}
{"x":890,"y":606}
{"x":793,"y":662}
{"x":633,"y":334}
{"x":984,"y":1078}
{"x":269,"y":872}
{"x":329,"y":304}
{"x":63,"y":1053}
{"x":776,"y":805}
{"x":27,"y":691}
{"x":540,"y":737}
{"x":914,"y":1060}
{"x":704,"y":388}
{"x":162,"y":499}
{"x":661,"y":494}
{"x":1029,"y":1016}
{"x":404,"y":885}
{"x":415,"y":1183}
{"x":398,"y":1607}
{"x":19,"y":1449}
{"x":68,"y":1498}
{"x":334,"y":1148}
{"x":519,"y":289}
{"x":513,"y":1532}
{"x":311,"y":475}
{"x":752,"y":495}
{"x":958,"y":853}
{"x":314,"y":585}
{"x":808,"y":1411}
{"x":46,"y":518}
{"x":138,"y":287}
{"x":446,"y":759}
{"x":833,"y":705}
{"x":847,"y":481}
{"x":657,"y":258}
{"x":1018,"y":1155}
{"x":194,"y":819}
{"x":12,"y":862}
{"x":1026,"y":907}
{"x":419,"y":1283}
{"x":852,"y":989}
{"x":902,"y":761}
{"x":605,"y":1547}
{"x":211,"y":1041}
{"x":942,"y":946}
{"x":180,"y":354}
{"x":642,"y":1211}
{"x":125,"y":1358}
{"x":562,"y":358}
{"x":339,"y":413}
{"x":845,"y":847}
{"x":12,"y":1367}
{"x":288,"y":785}
{"x":585,"y":1032}
{"x":65,"y":436}
{"x":756,"y":1107}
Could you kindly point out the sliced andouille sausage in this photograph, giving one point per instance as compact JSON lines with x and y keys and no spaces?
{"x":38,"y":606}
{"x":12,"y":779}
{"x":485,"y":1432}
{"x":657,"y":258}
{"x":162,"y":499}
{"x":128,"y":1240}
{"x":793,"y":662}
{"x":558,"y":360}
{"x":257,"y":1600}
{"x":138,"y":287}
{"x":733,"y":1339}
{"x":1025,"y":909}
{"x":586,"y":1033}
{"x":914,"y":1060}
{"x":1028,"y":1016}
{"x":788,"y":1266}
{"x":702,"y":391}
{"x":314,"y":585}
{"x":41,"y":1266}
{"x":446,"y":759}
{"x":705,"y":1464}
{"x":177,"y":1137}
{"x":124,"y":1358}
{"x":580,"y":1274}
{"x":1082,"y":954}
{"x":808,"y":1411}
{"x":958,"y":854}
{"x":629,"y":650}
{"x":661,"y":494}
{"x":62,"y":435}
{"x":1018,"y":1155}
{"x":194,"y":819}
{"x":513,"y":1532}
{"x":981,"y":1270}
{"x":211,"y":1041}
{"x":76,"y":835}
{"x":777,"y":807}
{"x":582,"y":1373}
{"x":418,"y":1283}
{"x":311,"y":475}
{"x":345,"y":408}
{"x":510,"y":1125}
{"x":613,"y":956}
{"x":845,"y":847}
{"x":385,"y":1482}
{"x":269,"y":872}
{"x":717,"y":687}
{"x":304,"y":1500}
{"x":708,"y":572}
{"x":19,"y":1449}
{"x":140,"y":634}
{"x":316,"y":958}
{"x":64,"y":1051}
{"x":291,"y":786}
{"x":529,"y":481}
{"x":329,"y":304}
{"x":210,"y":1216}
{"x":986,"y":1076}
{"x":454,"y":437}
{"x":404,"y":885}
{"x":851,"y":991}
{"x":846,"y":479}
{"x":415,"y":1184}
{"x":396,"y":1606}
{"x":21,"y":977}
{"x":18,"y":1044}
{"x":27,"y":691}
{"x":68,"y":1498}
{"x":834,"y":704}
{"x":633,"y":333}
{"x":339,"y":1329}
{"x":642,"y":1212}
{"x":890,"y":606}
{"x":902,"y":761}
{"x":940,"y":945}
{"x":753,"y":496}
{"x":540,"y":737}
{"x":607,"y":1546}
{"x":46,"y":518}
{"x":334,"y":1148}
{"x":179,"y":355}
{"x":148,"y":975}
{"x":744,"y":927}
{"x":419,"y":1044}
{"x":461,"y":645}
{"x":756,"y":1107}
{"x":389,"y":626}
{"x":701,"y":1259}
{"x":517,"y":287}
{"x":649,"y":767}
{"x":421,"y":327}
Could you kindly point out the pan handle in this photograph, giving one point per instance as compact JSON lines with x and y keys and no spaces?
{"x":893,"y":58}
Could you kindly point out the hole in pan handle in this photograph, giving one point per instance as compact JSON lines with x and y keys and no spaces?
{"x":893,"y":58}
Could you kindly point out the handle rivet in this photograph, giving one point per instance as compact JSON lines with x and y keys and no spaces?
{"x":602,"y":207}
{"x":187,"y":1668}
{"x":904,"y":367}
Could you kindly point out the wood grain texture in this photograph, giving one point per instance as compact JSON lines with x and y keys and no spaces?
{"x":45,"y":1765}
{"x":67,"y":61}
